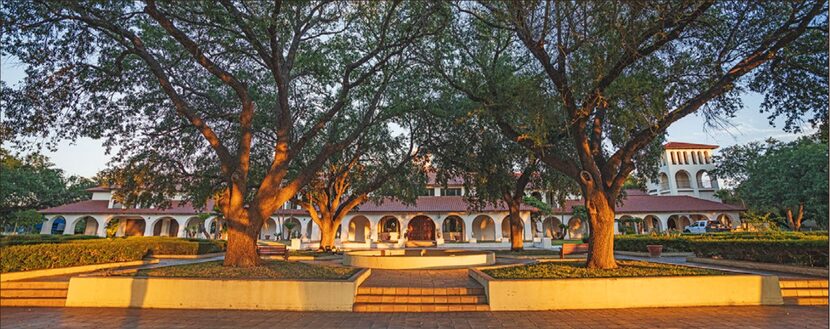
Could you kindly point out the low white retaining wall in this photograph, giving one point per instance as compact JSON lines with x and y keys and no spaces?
{"x":192,"y":293}
{"x":598,"y":293}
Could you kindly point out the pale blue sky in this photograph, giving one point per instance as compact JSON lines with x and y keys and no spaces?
{"x":86,"y":156}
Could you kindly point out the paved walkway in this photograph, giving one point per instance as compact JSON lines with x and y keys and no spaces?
{"x":789,"y":317}
{"x":682,"y":261}
{"x":421,"y":279}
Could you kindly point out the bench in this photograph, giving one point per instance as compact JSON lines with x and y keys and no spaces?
{"x":572,"y":248}
{"x":273,"y":250}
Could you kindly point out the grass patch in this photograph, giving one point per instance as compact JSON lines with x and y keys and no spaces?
{"x":267,"y":270}
{"x":576,"y":270}
{"x":531,"y":252}
{"x":561,"y":242}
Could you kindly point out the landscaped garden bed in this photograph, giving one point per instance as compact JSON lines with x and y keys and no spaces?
{"x":560,"y":285}
{"x":794,"y":248}
{"x":267,"y":270}
{"x":571,"y":270}
{"x":60,"y":253}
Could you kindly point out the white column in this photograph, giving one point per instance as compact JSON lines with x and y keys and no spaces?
{"x":497,"y":220}
{"x":528,"y":230}
{"x":46,"y":228}
{"x":69,"y":228}
{"x":468,"y":226}
{"x":148,"y":226}
{"x":102,"y":226}
{"x":182,"y":232}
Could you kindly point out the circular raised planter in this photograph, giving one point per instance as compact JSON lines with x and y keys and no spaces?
{"x":400,"y":259}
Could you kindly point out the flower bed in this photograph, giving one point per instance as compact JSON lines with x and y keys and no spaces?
{"x":58,"y":254}
{"x":569,"y":270}
{"x":806,"y":249}
{"x":268,"y":270}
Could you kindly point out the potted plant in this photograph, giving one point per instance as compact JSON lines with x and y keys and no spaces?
{"x":655,"y":250}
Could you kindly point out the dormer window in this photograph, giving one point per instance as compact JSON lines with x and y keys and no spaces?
{"x":452,"y":191}
{"x":427,"y":191}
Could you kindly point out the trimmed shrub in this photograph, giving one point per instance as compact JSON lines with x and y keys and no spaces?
{"x":795,"y":248}
{"x":26,"y":257}
{"x":22,"y":239}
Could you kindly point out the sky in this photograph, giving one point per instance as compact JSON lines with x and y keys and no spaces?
{"x":86,"y":157}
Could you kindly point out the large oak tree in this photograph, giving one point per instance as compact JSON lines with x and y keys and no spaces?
{"x":213,"y":99}
{"x":618,"y":74}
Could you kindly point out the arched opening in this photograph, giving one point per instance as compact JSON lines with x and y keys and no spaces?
{"x":58,"y":225}
{"x":420,"y":228}
{"x":651,"y":224}
{"x":678,"y":222}
{"x":453,"y":229}
{"x":194,"y":227}
{"x":505,"y":228}
{"x":484,"y":228}
{"x":389,"y":229}
{"x":726,"y":221}
{"x":664,"y":181}
{"x":551,"y":228}
{"x":269,"y":229}
{"x":537,"y":196}
{"x":703,"y":180}
{"x":359,"y":229}
{"x":626,"y":226}
{"x":577,"y":228}
{"x":120,"y":227}
{"x":86,"y":226}
{"x":218,"y":232}
{"x":166,"y":227}
{"x":309,"y":229}
{"x":682,"y":179}
{"x":292,"y":228}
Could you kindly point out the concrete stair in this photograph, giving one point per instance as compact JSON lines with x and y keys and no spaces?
{"x":33,"y":293}
{"x":804,"y":291}
{"x":403,"y":299}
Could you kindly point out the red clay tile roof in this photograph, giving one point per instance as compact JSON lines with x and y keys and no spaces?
{"x":431,"y":204}
{"x":100,"y":189}
{"x":686,"y":146}
{"x":643,"y":203}
{"x":101,"y":207}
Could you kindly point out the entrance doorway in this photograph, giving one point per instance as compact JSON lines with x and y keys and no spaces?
{"x":421,"y":228}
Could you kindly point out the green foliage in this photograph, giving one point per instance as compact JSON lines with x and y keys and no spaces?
{"x":776,"y":177}
{"x":23,"y":239}
{"x":543,"y":207}
{"x":577,"y":270}
{"x":32,"y":183}
{"x":268,"y":270}
{"x":26,"y":254}
{"x":797,"y":248}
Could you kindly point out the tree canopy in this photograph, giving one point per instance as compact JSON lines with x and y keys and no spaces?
{"x":32,"y":183}
{"x":788,"y":180}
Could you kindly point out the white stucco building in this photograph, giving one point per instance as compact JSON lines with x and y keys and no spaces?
{"x":441,"y":217}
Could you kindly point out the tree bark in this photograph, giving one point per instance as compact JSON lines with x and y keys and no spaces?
{"x":328,"y":232}
{"x":516,"y":239}
{"x":241,"y":247}
{"x":601,"y":214}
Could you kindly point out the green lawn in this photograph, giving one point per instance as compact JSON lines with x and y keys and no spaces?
{"x":526,"y":252}
{"x":571,"y":270}
{"x":560,"y":242}
{"x":268,"y":270}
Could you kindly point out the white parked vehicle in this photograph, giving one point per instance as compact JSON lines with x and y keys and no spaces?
{"x":698,"y":227}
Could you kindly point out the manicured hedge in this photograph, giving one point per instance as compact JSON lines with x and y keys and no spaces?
{"x":21,"y":239}
{"x":28,"y":257}
{"x":807,"y":249}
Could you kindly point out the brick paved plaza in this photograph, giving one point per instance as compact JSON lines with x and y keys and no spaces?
{"x":789,"y":317}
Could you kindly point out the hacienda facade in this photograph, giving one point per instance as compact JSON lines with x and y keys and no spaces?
{"x":441,"y":217}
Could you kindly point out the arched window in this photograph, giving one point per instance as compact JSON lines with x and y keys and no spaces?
{"x":664,"y":181}
{"x":673,"y":158}
{"x":704,"y":180}
{"x":694,"y":157}
{"x":682,"y":179}
{"x":685,"y":157}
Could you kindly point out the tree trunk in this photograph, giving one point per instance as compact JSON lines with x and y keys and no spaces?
{"x":516,"y":243}
{"x":241,"y":247}
{"x":328,"y":230}
{"x":601,"y":216}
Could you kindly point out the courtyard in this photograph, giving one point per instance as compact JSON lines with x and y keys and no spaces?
{"x":698,"y":317}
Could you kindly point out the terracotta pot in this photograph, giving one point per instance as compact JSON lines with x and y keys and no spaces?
{"x":655,"y":250}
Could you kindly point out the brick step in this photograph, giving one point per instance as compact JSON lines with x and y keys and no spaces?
{"x":803,"y":284}
{"x":36,"y":302}
{"x":805,"y":300}
{"x":422,"y":299}
{"x":34,"y":285}
{"x":33,"y":293}
{"x":404,"y":291}
{"x":803,"y":292}
{"x":375,"y":307}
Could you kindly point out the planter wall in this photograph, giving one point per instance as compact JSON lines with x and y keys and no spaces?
{"x":561,"y":294}
{"x":96,"y":291}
